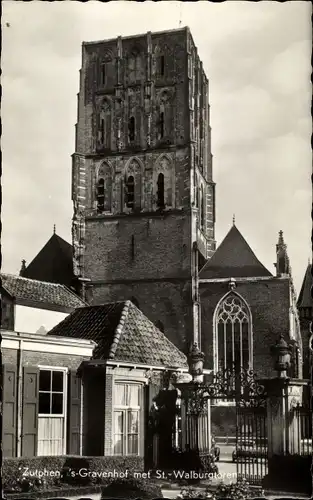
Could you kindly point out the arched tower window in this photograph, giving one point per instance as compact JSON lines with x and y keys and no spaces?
{"x":134,"y":66}
{"x":160,"y":192}
{"x":130,"y":192}
{"x":233,"y":334}
{"x":104,"y":188}
{"x":165,"y":116}
{"x":131,"y":129}
{"x":100,"y":195}
{"x":104,"y":124}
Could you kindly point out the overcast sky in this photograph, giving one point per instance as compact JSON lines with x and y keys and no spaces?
{"x":257,"y":59}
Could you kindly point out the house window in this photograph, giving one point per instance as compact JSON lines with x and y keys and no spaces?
{"x":100,"y":195}
{"x":160,"y":192}
{"x":131,"y":129}
{"x":130,"y":192}
{"x":232,"y":334}
{"x":127,"y":421}
{"x":51,"y":413}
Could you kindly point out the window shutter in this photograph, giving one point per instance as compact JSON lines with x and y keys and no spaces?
{"x":9,"y":374}
{"x":74,"y":413}
{"x":30,"y":411}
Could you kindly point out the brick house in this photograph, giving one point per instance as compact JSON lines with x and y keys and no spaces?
{"x":30,"y":305}
{"x":87,"y":386}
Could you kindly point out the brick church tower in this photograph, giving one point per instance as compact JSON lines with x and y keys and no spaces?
{"x":142,"y":187}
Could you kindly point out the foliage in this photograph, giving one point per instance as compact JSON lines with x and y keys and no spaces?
{"x":194,"y":493}
{"x":29,"y":474}
{"x":132,"y":488}
{"x":240,"y":490}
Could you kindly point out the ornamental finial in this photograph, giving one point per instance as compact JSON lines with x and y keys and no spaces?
{"x":234,"y":219}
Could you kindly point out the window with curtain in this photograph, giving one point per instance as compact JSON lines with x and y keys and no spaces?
{"x":51,"y":413}
{"x":126,"y":439}
{"x":232,"y":334}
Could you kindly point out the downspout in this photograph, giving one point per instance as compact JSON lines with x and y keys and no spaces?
{"x":19,"y":409}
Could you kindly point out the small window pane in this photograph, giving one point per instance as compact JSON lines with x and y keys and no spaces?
{"x":57,"y":404}
{"x":45,"y":380}
{"x":133,"y":420}
{"x":120,"y":395}
{"x":133,"y":396}
{"x":44,"y":402}
{"x":118,"y":424}
{"x":57,"y":381}
{"x":132,"y":445}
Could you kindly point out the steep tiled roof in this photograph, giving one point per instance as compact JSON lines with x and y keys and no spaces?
{"x":123,"y":333}
{"x":233,"y":259}
{"x":305,"y":296}
{"x":53,"y":264}
{"x":40,"y":293}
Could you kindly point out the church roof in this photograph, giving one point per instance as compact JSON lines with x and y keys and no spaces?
{"x":53,"y":264}
{"x":122,"y":333}
{"x":305,"y":296}
{"x":233,"y":259}
{"x":39,"y":293}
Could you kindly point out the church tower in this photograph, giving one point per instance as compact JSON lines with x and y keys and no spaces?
{"x":142,"y":186}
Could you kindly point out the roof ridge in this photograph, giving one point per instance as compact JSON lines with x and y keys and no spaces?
{"x":31,"y":279}
{"x":119,"y":329}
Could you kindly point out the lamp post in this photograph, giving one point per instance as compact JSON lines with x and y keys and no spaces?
{"x":282,"y":354}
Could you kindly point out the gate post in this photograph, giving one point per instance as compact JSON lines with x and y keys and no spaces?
{"x":195,"y":415}
{"x":283,"y":429}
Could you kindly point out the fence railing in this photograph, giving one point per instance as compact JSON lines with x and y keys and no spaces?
{"x":300,"y":427}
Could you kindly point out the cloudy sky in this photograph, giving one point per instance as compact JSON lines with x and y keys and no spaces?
{"x":257,"y":58}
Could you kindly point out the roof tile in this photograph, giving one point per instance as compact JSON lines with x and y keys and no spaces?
{"x":123,"y":333}
{"x":25,"y":289}
{"x":233,"y":259}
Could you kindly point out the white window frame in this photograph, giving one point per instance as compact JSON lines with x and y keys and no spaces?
{"x":65,"y":398}
{"x":140,"y":410}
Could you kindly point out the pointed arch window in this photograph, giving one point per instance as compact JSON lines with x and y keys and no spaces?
{"x":233,"y":334}
{"x":100,"y":195}
{"x":104,"y":125}
{"x":131,"y":129}
{"x":160,"y":191}
{"x":104,"y":188}
{"x":130,"y":192}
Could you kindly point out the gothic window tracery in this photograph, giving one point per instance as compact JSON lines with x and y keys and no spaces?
{"x":233,"y":333}
{"x":134,"y":66}
{"x":163,"y":182}
{"x":105,"y":69}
